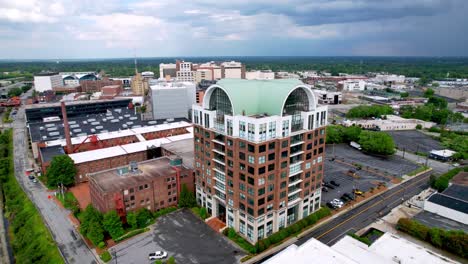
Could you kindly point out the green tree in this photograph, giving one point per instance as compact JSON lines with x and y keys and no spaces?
{"x":419,"y":126}
{"x":366,"y":111}
{"x":131,"y":220}
{"x":143,"y":217}
{"x":112,"y":224}
{"x":203,"y":213}
{"x":334,"y":134}
{"x":429,"y":93}
{"x":15,"y":92}
{"x":437,"y":102}
{"x":91,"y":225}
{"x":187,"y":198}
{"x":61,"y":171}
{"x":352,"y":133}
{"x":377,"y":142}
{"x":404,"y":94}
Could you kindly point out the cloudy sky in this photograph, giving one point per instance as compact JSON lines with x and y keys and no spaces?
{"x":60,"y":29}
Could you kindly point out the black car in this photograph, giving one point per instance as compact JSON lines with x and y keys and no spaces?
{"x":324,"y":188}
{"x":329,"y":186}
{"x":349,"y":196}
{"x":345,"y":198}
{"x":330,"y":205}
{"x":334,"y":183}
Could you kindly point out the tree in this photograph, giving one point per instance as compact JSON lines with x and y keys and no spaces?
{"x":437,"y":102}
{"x":143,"y":217}
{"x":171,"y":260}
{"x":203,"y":213}
{"x":366,"y":111}
{"x":91,"y":225}
{"x":61,"y":171}
{"x":334,"y":134}
{"x":377,"y":142}
{"x":429,"y":93}
{"x":187,"y":198}
{"x":419,"y":126}
{"x":404,"y":94}
{"x":112,"y":224}
{"x":352,"y":133}
{"x":15,"y":92}
{"x":131,"y":220}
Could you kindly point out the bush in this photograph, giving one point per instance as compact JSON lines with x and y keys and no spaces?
{"x":364,"y":240}
{"x":105,"y":256}
{"x":379,"y":143}
{"x":112,"y":224}
{"x":143,"y":217}
{"x":171,"y":260}
{"x":131,"y":220}
{"x":101,"y":245}
{"x":200,"y":212}
{"x":452,"y":241}
{"x":232,"y":235}
{"x":419,"y":126}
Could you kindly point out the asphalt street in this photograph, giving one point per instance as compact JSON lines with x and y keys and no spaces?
{"x":437,"y":166}
{"x":72,"y":248}
{"x":364,"y":214}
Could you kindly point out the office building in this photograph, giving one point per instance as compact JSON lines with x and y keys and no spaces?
{"x":259,"y":159}
{"x":328,"y":97}
{"x":167,"y":70}
{"x":203,"y":74}
{"x":232,"y":70}
{"x":139,"y":84}
{"x":47,"y":81}
{"x":74,"y":78}
{"x":260,"y":75}
{"x":172,"y":99}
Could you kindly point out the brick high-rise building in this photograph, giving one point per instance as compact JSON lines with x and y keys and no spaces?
{"x":259,"y":152}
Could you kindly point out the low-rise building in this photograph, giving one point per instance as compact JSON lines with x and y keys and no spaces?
{"x":154,"y":184}
{"x":328,"y":97}
{"x":167,"y":70}
{"x":91,"y":86}
{"x":353,"y":85}
{"x":232,"y":70}
{"x":452,"y":203}
{"x":260,"y":75}
{"x":391,"y":123}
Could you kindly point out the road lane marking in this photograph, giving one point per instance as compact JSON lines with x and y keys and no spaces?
{"x":375,"y":204}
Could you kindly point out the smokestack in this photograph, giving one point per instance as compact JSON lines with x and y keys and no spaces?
{"x":66,"y":127}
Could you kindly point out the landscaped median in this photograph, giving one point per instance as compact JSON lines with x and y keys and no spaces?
{"x":30,"y":239}
{"x":279,"y":236}
{"x":418,"y":170}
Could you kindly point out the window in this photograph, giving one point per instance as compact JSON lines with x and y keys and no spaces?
{"x":283,"y":174}
{"x":262,"y":148}
{"x":282,"y":194}
{"x":261,"y":211}
{"x":241,"y":155}
{"x":242,"y":196}
{"x":251,"y":180}
{"x":250,"y":231}
{"x":250,"y":211}
{"x":261,"y":159}
{"x":260,"y":233}
{"x":261,"y":181}
{"x":284,"y":144}
{"x":261,"y":170}
{"x":242,"y":227}
{"x":241,"y":145}
{"x":271,"y":156}
{"x":242,"y":177}
{"x":251,"y":159}
{"x":284,"y":164}
{"x":250,"y":201}
{"x":270,"y":197}
{"x":251,"y":148}
{"x":241,"y":129}
{"x":241,"y":186}
{"x":262,"y":131}
{"x":261,"y":191}
{"x":285,"y":128}
{"x":271,"y":187}
{"x":251,"y":132}
{"x":283,"y":185}
{"x":229,"y":127}
{"x":250,"y":191}
{"x":251,"y":170}
{"x":271,"y":167}
{"x":272,"y":130}
{"x":284,"y":154}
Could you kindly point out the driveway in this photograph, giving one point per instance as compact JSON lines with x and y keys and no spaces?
{"x":183,"y":236}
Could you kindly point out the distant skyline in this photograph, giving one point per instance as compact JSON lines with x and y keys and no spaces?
{"x":68,"y":29}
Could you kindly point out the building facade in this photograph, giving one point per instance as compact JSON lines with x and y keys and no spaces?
{"x":259,"y":159}
{"x":139,"y":84}
{"x":260,"y":75}
{"x":232,"y":70}
{"x":172,"y":99}
{"x":47,"y":81}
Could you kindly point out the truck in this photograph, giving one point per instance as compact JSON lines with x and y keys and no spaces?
{"x":355,"y":145}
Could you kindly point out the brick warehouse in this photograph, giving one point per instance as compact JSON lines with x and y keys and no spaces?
{"x":259,"y":151}
{"x":152,"y":184}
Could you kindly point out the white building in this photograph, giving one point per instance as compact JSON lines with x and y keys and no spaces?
{"x":147,"y":74}
{"x":388,"y":249}
{"x":389,"y":78}
{"x":392,"y":123}
{"x":172,"y":99}
{"x":167,"y":69}
{"x":286,"y":75}
{"x":203,"y":74}
{"x":74,"y":78}
{"x":215,"y":69}
{"x":47,"y":81}
{"x":232,"y":70}
{"x":353,"y":85}
{"x":452,"y":203}
{"x":328,"y":97}
{"x":260,"y":75}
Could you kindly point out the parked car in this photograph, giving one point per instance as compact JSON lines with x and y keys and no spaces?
{"x":344,"y":198}
{"x":324,"y":188}
{"x":157,"y":255}
{"x":349,"y":196}
{"x":32,"y":178}
{"x":358,"y":192}
{"x":335,"y":183}
{"x":337,"y":202}
{"x":330,"y":205}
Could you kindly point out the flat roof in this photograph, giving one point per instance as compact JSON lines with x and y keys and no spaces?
{"x":457,"y":191}
{"x":449,"y":202}
{"x":389,"y":249}
{"x":57,"y":104}
{"x":182,"y":148}
{"x":104,"y":153}
{"x":312,"y":251}
{"x":461,"y":178}
{"x":443,"y":153}
{"x":48,"y":153}
{"x":111,"y":180}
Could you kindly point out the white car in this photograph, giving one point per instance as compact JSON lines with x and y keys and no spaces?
{"x":337,"y":202}
{"x":157,"y":255}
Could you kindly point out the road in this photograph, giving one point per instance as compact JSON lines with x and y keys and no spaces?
{"x":72,"y":248}
{"x":437,"y":166}
{"x":364,"y":214}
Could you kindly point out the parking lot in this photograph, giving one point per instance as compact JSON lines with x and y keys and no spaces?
{"x":414,"y":141}
{"x":374,"y":170}
{"x":181,"y":235}
{"x":432,"y":220}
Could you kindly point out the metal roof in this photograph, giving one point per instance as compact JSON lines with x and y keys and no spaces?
{"x":258,"y":96}
{"x":449,"y":202}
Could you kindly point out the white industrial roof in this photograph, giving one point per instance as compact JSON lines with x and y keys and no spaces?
{"x":105,"y":153}
{"x":123,"y":133}
{"x":447,"y":153}
{"x":389,"y":249}
{"x":313,"y":251}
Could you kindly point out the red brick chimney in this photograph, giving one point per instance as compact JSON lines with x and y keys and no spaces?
{"x":66,"y":128}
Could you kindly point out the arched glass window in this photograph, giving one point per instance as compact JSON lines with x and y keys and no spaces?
{"x":220,"y":102}
{"x":297,"y":102}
